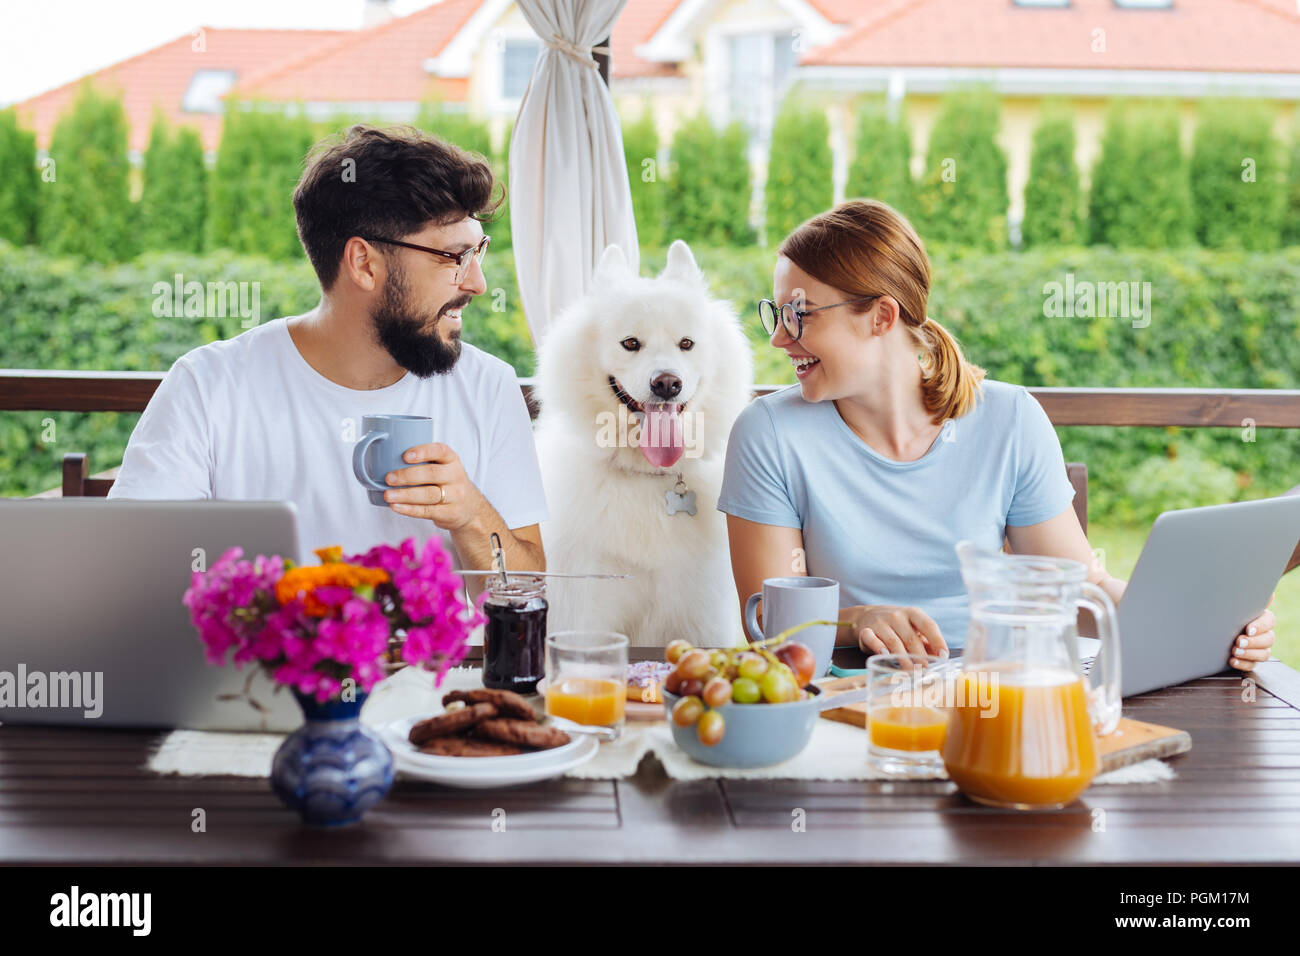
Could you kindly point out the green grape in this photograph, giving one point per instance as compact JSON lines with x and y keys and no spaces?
{"x":751,"y":665}
{"x":718,"y":659}
{"x":778,"y":687}
{"x":745,"y":690}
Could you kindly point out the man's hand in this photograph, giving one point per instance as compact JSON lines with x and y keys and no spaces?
{"x":436,"y":487}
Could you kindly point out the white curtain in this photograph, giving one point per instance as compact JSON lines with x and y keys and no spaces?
{"x":569,"y":193}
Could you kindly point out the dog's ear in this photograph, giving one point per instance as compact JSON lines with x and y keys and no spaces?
{"x":681,"y":264}
{"x":612,"y":264}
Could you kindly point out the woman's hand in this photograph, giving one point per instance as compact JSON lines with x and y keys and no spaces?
{"x":1253,"y":644}
{"x":884,"y":629}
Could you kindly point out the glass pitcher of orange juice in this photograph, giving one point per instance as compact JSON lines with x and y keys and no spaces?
{"x":1023,"y":731}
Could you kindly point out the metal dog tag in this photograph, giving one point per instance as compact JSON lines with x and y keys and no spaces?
{"x":680,"y":499}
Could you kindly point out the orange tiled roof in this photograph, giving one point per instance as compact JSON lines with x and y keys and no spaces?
{"x":1249,"y":36}
{"x":158,"y":78}
{"x":637,"y":23}
{"x":382,"y":64}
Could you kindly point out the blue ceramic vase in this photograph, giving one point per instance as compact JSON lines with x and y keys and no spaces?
{"x":331,"y":769}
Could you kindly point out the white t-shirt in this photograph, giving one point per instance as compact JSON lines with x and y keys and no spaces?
{"x":248,"y":419}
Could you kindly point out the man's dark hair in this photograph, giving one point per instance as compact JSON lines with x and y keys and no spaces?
{"x":398,"y":181}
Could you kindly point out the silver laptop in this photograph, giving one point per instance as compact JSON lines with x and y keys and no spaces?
{"x":92,"y":629}
{"x":1203,"y":574}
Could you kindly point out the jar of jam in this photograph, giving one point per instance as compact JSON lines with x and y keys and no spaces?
{"x":514,"y":638}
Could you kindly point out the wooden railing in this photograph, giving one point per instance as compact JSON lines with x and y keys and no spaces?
{"x":56,"y":391}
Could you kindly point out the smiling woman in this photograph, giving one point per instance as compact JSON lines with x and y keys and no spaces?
{"x":891,"y":449}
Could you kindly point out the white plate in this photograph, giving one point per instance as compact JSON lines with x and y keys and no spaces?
{"x":483,"y":772}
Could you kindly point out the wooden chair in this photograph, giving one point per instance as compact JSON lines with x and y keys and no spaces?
{"x":77,"y":480}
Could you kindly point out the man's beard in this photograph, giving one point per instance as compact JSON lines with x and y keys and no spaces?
{"x":412,"y":339}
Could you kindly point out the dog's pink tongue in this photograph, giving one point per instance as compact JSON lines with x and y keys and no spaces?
{"x":662,"y":441}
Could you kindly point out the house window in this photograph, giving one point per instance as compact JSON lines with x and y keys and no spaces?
{"x":517,"y":60}
{"x":206,"y":89}
{"x":758,"y":66}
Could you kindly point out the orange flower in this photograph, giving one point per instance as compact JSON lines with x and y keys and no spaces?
{"x":329,"y":555}
{"x":304,"y":581}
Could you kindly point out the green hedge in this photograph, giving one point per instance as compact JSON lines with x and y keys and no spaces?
{"x":1238,"y":180}
{"x":800,"y":179}
{"x":1053,"y":197}
{"x":882,"y":160}
{"x":86,"y":200}
{"x":1139,"y":196}
{"x":962,"y":197}
{"x":19,"y":182}
{"x":1218,"y":319}
{"x":709,"y":189}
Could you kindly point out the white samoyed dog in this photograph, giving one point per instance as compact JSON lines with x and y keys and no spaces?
{"x":640,"y":383}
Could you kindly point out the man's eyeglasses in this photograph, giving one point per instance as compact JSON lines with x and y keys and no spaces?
{"x":462,"y":259}
{"x":791,"y":318}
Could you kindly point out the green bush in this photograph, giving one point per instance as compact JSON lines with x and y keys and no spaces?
{"x":174,"y":202}
{"x":1139,"y":197}
{"x":1220,"y":319}
{"x":800,"y":181}
{"x":1238,"y":181}
{"x":1291,"y":214}
{"x":1165,"y":482}
{"x":499,"y":228}
{"x":259,"y":162}
{"x":710,"y":186}
{"x":456,"y":127}
{"x":1053,"y":197}
{"x":882,"y":160}
{"x":641,"y":152}
{"x":86,"y":209}
{"x":962,"y":196}
{"x":19,"y":182}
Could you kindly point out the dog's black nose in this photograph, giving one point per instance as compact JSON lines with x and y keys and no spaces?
{"x":666,"y":386}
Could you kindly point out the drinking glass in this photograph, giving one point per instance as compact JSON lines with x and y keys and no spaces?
{"x":586,"y":681}
{"x":906,"y":720}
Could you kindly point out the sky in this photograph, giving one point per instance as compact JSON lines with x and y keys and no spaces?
{"x":45,"y":43}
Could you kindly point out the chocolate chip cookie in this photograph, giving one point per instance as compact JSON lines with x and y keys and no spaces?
{"x":469,"y":747}
{"x":526,"y":733}
{"x":508,"y":703}
{"x":449,"y":723}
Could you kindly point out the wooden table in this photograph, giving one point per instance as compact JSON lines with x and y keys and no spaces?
{"x":83,"y":796}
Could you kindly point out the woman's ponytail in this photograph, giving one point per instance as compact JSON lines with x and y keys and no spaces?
{"x":950,"y":384}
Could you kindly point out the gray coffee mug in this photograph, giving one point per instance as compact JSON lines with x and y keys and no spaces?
{"x":788,"y":602}
{"x":386,"y":440}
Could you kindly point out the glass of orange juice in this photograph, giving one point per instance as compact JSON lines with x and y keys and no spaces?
{"x":586,"y":681}
{"x":906,"y":721}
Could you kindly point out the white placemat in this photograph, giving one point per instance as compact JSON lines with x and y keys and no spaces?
{"x":837,"y":751}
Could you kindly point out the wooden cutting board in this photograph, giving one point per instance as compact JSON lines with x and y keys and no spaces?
{"x":1132,"y":742}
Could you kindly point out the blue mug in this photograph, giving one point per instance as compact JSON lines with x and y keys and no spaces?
{"x":385,"y":440}
{"x":791,"y":601}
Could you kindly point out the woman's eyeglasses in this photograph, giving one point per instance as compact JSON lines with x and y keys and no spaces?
{"x":462,"y":259}
{"x":791,"y":318}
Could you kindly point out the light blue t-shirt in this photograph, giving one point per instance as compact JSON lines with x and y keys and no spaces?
{"x":885,"y":529}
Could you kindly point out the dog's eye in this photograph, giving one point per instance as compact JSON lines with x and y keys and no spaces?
{"x":631,"y":343}
{"x":686,"y":345}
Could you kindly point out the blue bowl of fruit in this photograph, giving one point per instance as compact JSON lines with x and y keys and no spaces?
{"x":747,"y":706}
